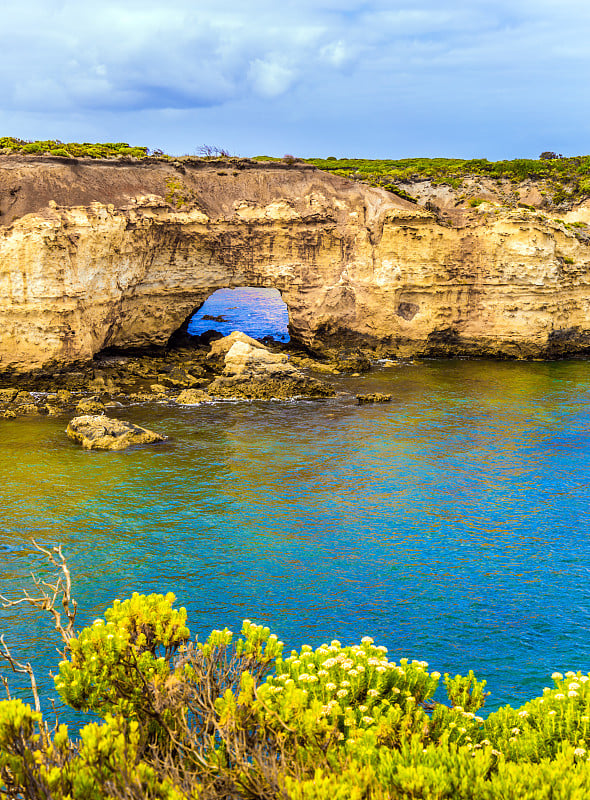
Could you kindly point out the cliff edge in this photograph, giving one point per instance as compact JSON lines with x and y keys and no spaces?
{"x":95,"y":254}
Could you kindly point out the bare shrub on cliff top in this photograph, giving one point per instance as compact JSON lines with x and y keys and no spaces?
{"x":212,"y":151}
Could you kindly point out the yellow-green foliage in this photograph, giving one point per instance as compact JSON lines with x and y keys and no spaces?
{"x":139,"y":636}
{"x":452,"y":171}
{"x":232,"y":717}
{"x":72,"y":149}
{"x":177,"y":194}
{"x":18,"y":738}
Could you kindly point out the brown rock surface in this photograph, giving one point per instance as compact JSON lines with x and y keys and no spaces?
{"x":89,"y":405}
{"x":191,"y":397}
{"x":376,"y":397}
{"x":252,"y":371}
{"x":104,"y":433}
{"x":99,"y":254}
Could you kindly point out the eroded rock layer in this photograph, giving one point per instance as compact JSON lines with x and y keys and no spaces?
{"x":102,"y":254}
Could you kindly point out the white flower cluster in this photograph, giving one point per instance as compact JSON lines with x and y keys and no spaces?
{"x":355,"y":683}
{"x":305,"y":678}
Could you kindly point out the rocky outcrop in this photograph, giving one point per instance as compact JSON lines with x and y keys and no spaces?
{"x":192,"y":397}
{"x":252,"y":371}
{"x":104,"y":433}
{"x":102,"y":254}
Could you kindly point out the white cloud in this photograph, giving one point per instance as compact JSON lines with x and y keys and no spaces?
{"x":338,"y":54}
{"x":269,"y":78}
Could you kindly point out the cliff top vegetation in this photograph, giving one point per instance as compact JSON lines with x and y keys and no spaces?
{"x":54,"y":147}
{"x":453,"y":170}
{"x":438,"y":170}
{"x":568,"y":178}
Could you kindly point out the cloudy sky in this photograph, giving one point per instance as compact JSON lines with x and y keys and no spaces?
{"x":374,"y":79}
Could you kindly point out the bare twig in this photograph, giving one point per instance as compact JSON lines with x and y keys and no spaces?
{"x":23,"y":669}
{"x":6,"y":686}
{"x":51,"y":595}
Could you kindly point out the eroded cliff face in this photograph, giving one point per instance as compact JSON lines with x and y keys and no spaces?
{"x":101,"y":254}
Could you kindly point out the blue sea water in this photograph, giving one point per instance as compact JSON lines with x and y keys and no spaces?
{"x":450,"y":524}
{"x":256,"y":312}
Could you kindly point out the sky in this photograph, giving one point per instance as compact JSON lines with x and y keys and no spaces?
{"x":345,"y":78}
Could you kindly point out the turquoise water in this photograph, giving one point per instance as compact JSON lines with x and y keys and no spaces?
{"x":257,"y":312}
{"x":450,"y":524}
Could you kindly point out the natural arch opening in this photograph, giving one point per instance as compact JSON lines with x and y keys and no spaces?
{"x":260,"y":313}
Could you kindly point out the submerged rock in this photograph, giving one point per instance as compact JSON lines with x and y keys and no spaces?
{"x":377,"y":397}
{"x":105,"y":433}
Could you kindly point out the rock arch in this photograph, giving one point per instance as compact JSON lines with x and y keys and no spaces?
{"x":95,"y":255}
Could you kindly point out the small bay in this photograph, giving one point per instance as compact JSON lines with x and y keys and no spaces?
{"x":450,"y":524}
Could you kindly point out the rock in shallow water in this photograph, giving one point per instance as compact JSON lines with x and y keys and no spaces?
{"x":377,"y":397}
{"x":192,"y":397}
{"x":90,"y":405}
{"x":222,"y":346}
{"x":251,"y":371}
{"x":244,"y":360}
{"x":105,"y":433}
{"x":269,"y":388}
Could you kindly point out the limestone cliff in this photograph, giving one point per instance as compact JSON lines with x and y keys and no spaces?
{"x":114,"y":253}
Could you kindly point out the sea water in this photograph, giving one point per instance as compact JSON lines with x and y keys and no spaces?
{"x":450,"y":524}
{"x":255,"y":311}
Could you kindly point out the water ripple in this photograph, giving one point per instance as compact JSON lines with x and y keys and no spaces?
{"x":450,"y":524}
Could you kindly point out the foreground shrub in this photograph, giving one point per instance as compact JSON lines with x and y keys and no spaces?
{"x":233,"y":717}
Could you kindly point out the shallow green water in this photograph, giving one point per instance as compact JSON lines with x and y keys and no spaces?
{"x":450,"y":524}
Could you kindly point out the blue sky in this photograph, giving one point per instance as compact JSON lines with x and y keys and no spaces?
{"x":374,"y":79}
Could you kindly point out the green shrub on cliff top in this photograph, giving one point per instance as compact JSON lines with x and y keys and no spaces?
{"x":72,"y":149}
{"x":234,"y":717}
{"x":453,"y":171}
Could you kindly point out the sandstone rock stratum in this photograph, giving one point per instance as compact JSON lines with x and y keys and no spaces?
{"x":100,"y":254}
